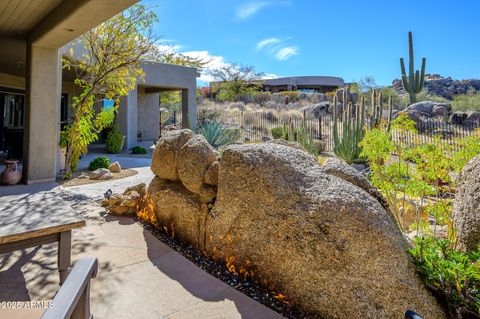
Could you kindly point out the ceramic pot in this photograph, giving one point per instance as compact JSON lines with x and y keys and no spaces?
{"x":11,"y":175}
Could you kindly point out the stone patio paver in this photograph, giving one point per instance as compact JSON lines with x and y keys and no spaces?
{"x":139,"y":276}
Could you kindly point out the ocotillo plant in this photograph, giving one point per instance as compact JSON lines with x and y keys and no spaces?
{"x":352,"y":130}
{"x":413,"y":84}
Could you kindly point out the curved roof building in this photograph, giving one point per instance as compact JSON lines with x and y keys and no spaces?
{"x":304,"y":83}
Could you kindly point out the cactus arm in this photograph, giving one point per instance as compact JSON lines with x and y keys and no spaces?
{"x":404,"y":75}
{"x":422,"y":73}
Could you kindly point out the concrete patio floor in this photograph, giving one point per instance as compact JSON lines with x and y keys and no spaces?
{"x":139,"y":276}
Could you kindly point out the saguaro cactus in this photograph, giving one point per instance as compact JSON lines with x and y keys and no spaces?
{"x":413,"y":84}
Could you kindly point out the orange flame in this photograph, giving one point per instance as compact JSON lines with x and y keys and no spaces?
{"x":147,"y":213}
{"x":280,"y":297}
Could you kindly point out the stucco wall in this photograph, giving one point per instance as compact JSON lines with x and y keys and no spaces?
{"x":148,"y":115}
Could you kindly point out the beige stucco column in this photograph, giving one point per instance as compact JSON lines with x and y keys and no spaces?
{"x":189,"y":108}
{"x":127,"y":118}
{"x":42,"y":115}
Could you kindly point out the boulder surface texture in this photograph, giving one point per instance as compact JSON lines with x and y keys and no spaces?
{"x":466,"y":206}
{"x":321,"y":240}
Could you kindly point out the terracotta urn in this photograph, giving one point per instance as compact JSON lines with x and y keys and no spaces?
{"x":11,"y":175}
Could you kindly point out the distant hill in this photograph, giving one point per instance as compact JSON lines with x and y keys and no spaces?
{"x":437,"y":85}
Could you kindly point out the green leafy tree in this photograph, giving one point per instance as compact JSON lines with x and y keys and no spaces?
{"x":106,"y":61}
{"x":235,"y":80}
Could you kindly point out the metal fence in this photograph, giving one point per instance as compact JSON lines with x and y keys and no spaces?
{"x":257,"y":126}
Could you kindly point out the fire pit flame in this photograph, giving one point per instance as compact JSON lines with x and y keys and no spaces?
{"x":147,"y":213}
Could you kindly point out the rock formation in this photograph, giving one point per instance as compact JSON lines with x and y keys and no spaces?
{"x":321,"y":240}
{"x":466,"y":206}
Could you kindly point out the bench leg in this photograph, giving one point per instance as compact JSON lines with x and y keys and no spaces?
{"x":64,"y":254}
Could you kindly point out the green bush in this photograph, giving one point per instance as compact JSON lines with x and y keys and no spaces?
{"x":99,"y":162}
{"x":139,"y":150}
{"x":217,"y":135}
{"x":454,"y":274}
{"x":114,"y":140}
{"x":466,"y":102}
{"x":277,"y":132}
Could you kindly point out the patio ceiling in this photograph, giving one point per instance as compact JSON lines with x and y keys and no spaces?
{"x":48,"y":23}
{"x":18,"y":17}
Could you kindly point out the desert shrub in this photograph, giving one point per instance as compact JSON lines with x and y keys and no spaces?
{"x":139,"y":150}
{"x":99,"y":162}
{"x":466,"y":102}
{"x":453,"y":274}
{"x":263,"y":97}
{"x":277,"y":132}
{"x":291,"y":96}
{"x":206,"y":115}
{"x":424,"y":96}
{"x":217,"y":135}
{"x":417,"y":179}
{"x":114,"y":140}
{"x":330,"y":95}
{"x":320,"y":145}
{"x":469,"y":147}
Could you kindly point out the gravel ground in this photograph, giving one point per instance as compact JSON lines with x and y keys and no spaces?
{"x":80,"y":179}
{"x":220,"y":271}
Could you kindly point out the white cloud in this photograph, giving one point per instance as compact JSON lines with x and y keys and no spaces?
{"x":286,"y":53}
{"x":277,"y":48}
{"x":251,"y":8}
{"x":214,"y":62}
{"x":268,"y":76}
{"x":267,"y":42}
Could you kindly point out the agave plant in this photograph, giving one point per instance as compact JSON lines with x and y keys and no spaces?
{"x":218,"y":135}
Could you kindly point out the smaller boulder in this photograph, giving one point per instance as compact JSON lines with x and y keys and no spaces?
{"x":472,"y":119}
{"x":128,"y":203}
{"x":458,"y":118}
{"x":441,"y":110}
{"x":424,"y":107}
{"x":193,"y":160}
{"x":164,"y":163}
{"x":101,"y":174}
{"x":316,"y":110}
{"x":115,"y":167}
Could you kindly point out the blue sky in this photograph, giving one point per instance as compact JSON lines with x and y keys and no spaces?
{"x":346,"y":38}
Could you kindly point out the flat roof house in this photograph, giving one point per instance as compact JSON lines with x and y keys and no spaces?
{"x":35,"y":97}
{"x":308,"y":84}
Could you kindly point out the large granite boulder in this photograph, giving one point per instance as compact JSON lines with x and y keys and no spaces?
{"x":472,"y":119}
{"x":178,"y":210}
{"x":193,"y":160}
{"x":458,"y":118}
{"x":325,"y":243}
{"x":441,"y":110}
{"x":337,"y":167}
{"x":316,"y":110}
{"x":428,"y":109}
{"x":466,"y":206}
{"x":164,"y":159}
